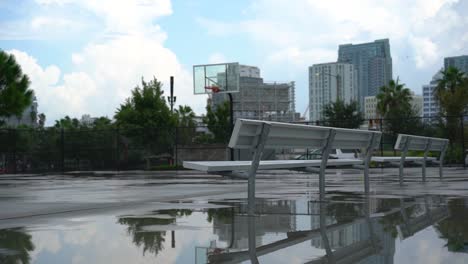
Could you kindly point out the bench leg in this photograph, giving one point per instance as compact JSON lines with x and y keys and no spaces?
{"x":441,"y":161}
{"x":323,"y":164}
{"x":366,"y":179}
{"x":424,"y":170}
{"x":253,"y":168}
{"x":400,"y":174}
{"x":404,"y":152}
{"x":441,"y":170}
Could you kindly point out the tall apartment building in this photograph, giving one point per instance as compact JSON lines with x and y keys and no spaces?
{"x":329,"y":82}
{"x":370,"y":106}
{"x":460,"y":62}
{"x":259,"y":100}
{"x":431,"y":105}
{"x":373,"y":63}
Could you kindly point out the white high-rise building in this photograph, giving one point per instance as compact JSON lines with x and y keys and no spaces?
{"x":431,"y":105}
{"x":329,"y":82}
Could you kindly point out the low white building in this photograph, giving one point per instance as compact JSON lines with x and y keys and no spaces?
{"x":87,"y":120}
{"x":370,"y":106}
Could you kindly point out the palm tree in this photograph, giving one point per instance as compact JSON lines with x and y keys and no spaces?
{"x":394,"y":105}
{"x":185,"y":116}
{"x":452,"y":94}
{"x":393,"y":96}
{"x":15,"y":96}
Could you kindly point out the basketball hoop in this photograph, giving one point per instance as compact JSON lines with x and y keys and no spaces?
{"x":214,"y":89}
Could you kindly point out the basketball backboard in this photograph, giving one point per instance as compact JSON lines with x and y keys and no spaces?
{"x":221,"y":78}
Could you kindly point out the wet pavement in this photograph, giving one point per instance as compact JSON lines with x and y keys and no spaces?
{"x":188,"y":217}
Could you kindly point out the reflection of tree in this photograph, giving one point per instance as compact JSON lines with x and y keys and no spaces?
{"x":224,"y":215}
{"x":454,"y":229}
{"x":342,"y":209}
{"x":19,"y":243}
{"x":151,"y":241}
{"x":390,"y":221}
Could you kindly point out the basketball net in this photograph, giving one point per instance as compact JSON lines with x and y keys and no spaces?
{"x":213,"y":88}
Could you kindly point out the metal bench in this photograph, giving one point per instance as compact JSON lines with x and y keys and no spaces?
{"x":258,"y":135}
{"x":407,"y":143}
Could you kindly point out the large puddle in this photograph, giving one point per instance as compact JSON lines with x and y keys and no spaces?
{"x":348,"y":228}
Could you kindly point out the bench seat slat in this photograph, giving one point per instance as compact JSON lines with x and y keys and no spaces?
{"x":398,"y":159}
{"x":217,"y":166}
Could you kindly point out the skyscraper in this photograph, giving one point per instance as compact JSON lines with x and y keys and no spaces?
{"x":373,"y":63}
{"x":329,"y":82}
{"x":459,"y":62}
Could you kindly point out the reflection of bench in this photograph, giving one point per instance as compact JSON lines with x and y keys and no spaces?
{"x":406,"y":143}
{"x":259,"y":135}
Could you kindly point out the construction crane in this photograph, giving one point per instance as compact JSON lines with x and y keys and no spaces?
{"x":305,"y":112}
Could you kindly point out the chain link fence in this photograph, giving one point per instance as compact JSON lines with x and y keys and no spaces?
{"x":64,"y":150}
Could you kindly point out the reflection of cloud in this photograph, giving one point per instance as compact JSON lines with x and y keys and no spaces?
{"x":426,"y":247}
{"x":45,"y":241}
{"x":80,"y":236}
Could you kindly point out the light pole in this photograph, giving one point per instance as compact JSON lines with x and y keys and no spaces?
{"x":172,"y":99}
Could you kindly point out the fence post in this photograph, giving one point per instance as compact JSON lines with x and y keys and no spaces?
{"x":462,"y":123}
{"x":62,"y":149}
{"x":175,"y":147}
{"x":13,"y":133}
{"x":382,"y":139}
{"x":117,"y":148}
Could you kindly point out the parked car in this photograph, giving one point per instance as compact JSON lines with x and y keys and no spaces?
{"x":334,"y":154}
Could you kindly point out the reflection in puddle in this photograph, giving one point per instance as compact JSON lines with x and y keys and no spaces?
{"x":15,"y":246}
{"x":348,"y":228}
{"x":139,"y":229}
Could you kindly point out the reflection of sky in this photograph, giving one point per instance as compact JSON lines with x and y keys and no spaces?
{"x":101,"y":239}
{"x":105,"y":241}
{"x":425,"y":247}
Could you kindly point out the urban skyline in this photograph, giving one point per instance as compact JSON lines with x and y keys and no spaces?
{"x":67,"y":45}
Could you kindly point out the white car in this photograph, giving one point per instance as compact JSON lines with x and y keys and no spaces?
{"x":334,"y":154}
{"x":345,"y":153}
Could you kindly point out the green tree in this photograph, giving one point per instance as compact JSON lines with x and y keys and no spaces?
{"x":146,"y":118}
{"x":102,"y":122}
{"x":42,"y":120}
{"x":340,"y":114}
{"x":15,"y":96}
{"x":185,"y":124}
{"x":67,"y":123}
{"x":394,"y":106}
{"x":452,"y":94}
{"x":218,"y":122}
{"x":33,"y":116}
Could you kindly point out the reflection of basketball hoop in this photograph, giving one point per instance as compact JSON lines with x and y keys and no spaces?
{"x":213,"y":88}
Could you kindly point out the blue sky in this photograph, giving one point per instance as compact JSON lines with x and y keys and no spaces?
{"x":84,"y":56}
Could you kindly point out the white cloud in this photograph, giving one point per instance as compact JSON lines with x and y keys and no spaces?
{"x":426,"y":51}
{"x":104,"y":71}
{"x":48,"y":22}
{"x":291,"y":35}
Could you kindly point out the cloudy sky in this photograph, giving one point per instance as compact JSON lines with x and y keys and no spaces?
{"x":84,"y":56}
